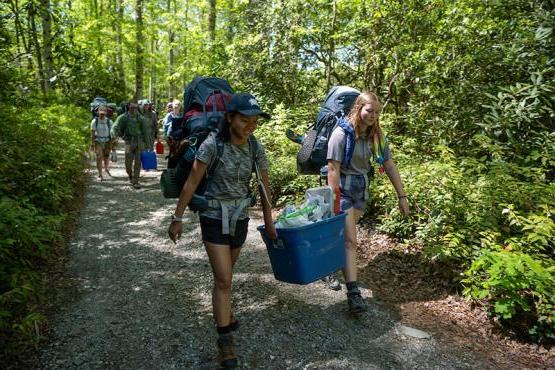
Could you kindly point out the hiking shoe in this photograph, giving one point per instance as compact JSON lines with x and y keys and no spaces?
{"x":357,"y":304}
{"x":294,"y":137}
{"x":136,"y":185}
{"x":332,"y":282}
{"x":226,"y":352}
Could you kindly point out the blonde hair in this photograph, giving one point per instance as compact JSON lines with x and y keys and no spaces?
{"x":375,"y":134}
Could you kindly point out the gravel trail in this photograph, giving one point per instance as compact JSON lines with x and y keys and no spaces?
{"x":144,"y":303}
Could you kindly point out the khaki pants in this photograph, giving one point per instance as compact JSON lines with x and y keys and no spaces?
{"x":133,"y":148}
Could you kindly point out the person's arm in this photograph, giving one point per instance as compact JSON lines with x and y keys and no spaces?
{"x":117,"y":127}
{"x":393,"y":174}
{"x":194,"y":179}
{"x":266,"y":197}
{"x":93,"y":132}
{"x":334,"y":172}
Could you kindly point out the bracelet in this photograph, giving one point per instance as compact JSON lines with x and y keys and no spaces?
{"x":177,"y":219}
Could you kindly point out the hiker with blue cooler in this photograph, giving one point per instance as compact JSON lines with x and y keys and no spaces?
{"x":152,"y":118}
{"x":135,"y":131}
{"x":101,"y":137}
{"x":228,"y":158}
{"x":354,"y":143}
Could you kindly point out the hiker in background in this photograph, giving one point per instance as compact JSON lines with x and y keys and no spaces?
{"x":135,"y":131}
{"x":356,"y":140}
{"x":101,"y":137}
{"x":167,"y":126}
{"x":228,"y":187}
{"x":175,"y":113}
{"x":152,"y":118}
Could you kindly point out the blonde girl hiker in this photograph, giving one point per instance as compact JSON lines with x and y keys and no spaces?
{"x":356,"y":141}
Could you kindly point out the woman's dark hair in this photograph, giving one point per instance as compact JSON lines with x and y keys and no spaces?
{"x":224,"y":134}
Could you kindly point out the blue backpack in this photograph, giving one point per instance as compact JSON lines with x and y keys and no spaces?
{"x":313,"y":153}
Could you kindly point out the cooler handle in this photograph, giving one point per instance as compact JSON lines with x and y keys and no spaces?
{"x":277,"y":244}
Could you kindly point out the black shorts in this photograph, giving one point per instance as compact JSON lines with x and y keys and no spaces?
{"x":211,"y":229}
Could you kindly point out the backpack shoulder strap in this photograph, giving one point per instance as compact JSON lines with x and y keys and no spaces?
{"x":254,"y":145}
{"x":216,"y":161}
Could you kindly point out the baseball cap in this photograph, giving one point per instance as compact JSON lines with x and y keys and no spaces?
{"x":245,"y":104}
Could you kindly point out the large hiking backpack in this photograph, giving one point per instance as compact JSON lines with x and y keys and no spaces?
{"x":204,"y":104}
{"x":313,"y":153}
{"x":205,"y":101}
{"x":96,"y":103}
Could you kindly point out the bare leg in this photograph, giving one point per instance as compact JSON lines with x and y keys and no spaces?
{"x":222,"y":258}
{"x":350,"y":270}
{"x":99,"y":154}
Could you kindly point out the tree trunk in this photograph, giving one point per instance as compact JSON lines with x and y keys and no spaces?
{"x":185,"y":76}
{"x":46,"y":19}
{"x":331,"y":51}
{"x":212,"y":21}
{"x":36,"y":44}
{"x":171,"y":56}
{"x":119,"y":40}
{"x":139,"y":50}
{"x":20,"y":36}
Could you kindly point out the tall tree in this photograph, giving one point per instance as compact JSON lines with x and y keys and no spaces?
{"x":46,"y":20}
{"x":139,"y":49}
{"x":212,"y":21}
{"x":31,"y":11}
{"x":119,"y":40}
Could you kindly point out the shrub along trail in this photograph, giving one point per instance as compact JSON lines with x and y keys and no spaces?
{"x":142,"y":302}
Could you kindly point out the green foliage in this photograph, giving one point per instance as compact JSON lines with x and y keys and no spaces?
{"x":287,"y":185}
{"x":515,"y":283}
{"x":41,"y":151}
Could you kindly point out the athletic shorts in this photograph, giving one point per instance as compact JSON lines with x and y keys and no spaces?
{"x":211,"y":229}
{"x":104,"y":148}
{"x":354,"y":196}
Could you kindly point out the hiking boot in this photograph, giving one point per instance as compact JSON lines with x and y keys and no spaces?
{"x":233,"y":324}
{"x":226,"y":352}
{"x":357,"y":304}
{"x":332,"y":282}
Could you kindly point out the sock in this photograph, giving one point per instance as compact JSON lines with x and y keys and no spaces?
{"x":352,"y":287}
{"x":223,"y":329}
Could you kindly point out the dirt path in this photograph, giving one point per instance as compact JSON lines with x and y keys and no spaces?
{"x":141,"y":302}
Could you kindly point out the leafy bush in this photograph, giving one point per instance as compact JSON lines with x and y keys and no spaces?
{"x":287,"y":185}
{"x":41,"y":151}
{"x":515,"y":284}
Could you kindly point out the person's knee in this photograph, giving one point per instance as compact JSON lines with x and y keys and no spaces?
{"x":350,"y":244}
{"x":223,"y":283}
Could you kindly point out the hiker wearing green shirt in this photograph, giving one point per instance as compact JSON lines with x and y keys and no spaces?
{"x":135,"y":131}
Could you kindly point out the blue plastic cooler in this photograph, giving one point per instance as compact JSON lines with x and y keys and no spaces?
{"x":307,"y":253}
{"x":148,"y":160}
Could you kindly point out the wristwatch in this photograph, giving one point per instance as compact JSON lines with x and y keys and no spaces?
{"x":177,"y":219}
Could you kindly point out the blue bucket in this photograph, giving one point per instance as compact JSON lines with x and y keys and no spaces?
{"x":148,"y":160}
{"x":302,"y":255}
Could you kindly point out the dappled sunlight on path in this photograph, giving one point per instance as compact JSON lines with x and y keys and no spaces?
{"x":144,"y":302}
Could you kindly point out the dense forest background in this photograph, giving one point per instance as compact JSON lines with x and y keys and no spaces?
{"x":468,"y":89}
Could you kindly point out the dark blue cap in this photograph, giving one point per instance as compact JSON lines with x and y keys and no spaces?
{"x":245,"y":104}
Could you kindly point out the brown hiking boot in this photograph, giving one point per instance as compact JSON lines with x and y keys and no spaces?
{"x":226,"y":352}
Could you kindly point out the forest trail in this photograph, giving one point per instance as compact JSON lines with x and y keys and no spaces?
{"x":141,"y":302}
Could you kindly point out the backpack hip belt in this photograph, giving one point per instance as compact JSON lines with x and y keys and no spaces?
{"x":229,"y":224}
